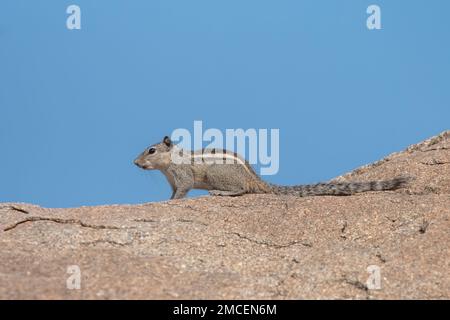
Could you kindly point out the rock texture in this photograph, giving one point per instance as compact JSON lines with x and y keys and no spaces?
{"x":250,"y":247}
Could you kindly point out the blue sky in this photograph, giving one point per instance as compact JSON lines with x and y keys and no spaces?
{"x":77,"y":106}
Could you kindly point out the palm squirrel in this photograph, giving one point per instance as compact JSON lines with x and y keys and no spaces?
{"x":234,"y":176}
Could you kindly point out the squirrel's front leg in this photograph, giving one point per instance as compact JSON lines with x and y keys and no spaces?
{"x":183,"y":181}
{"x":179,"y":193}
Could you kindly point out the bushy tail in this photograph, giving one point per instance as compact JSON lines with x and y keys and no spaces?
{"x":341,"y":188}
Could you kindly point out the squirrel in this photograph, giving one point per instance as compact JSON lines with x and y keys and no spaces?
{"x":225,"y":173}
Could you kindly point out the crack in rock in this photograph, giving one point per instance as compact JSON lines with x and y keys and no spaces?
{"x":269,"y":244}
{"x":381,"y":257}
{"x":434,"y":149}
{"x":58,"y":220}
{"x":343,"y":229}
{"x":112,"y":242}
{"x":434,"y":162}
{"x":145,"y":220}
{"x":356,"y":283}
{"x":424,"y":226}
{"x":192,"y":221}
{"x":15,"y":208}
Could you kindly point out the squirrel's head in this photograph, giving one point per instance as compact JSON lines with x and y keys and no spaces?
{"x":156,"y":156}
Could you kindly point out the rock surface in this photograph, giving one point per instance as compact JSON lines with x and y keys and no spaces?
{"x":249,"y":247}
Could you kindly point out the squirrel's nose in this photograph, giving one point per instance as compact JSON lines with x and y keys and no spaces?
{"x":136,"y":162}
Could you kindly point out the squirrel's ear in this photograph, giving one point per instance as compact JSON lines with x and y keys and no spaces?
{"x":167,"y":141}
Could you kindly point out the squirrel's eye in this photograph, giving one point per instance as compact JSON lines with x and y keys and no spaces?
{"x":151,"y":151}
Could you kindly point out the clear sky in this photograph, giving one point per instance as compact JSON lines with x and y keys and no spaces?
{"x":77,"y":106}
